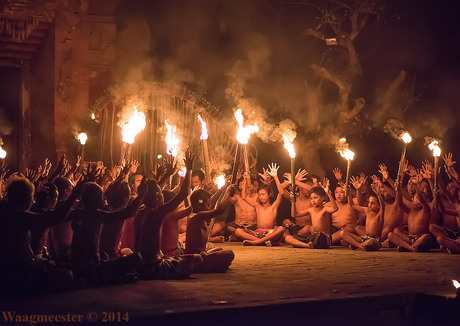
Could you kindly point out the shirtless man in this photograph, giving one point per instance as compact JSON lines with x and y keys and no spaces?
{"x":446,"y":229}
{"x":245,"y":214}
{"x":420,"y":211}
{"x":374,"y":224}
{"x":345,"y":218}
{"x":266,"y":233}
{"x":319,"y":233}
{"x":393,"y":213}
{"x":302,"y":203}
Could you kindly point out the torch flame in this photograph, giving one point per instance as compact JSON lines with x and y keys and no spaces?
{"x":347,"y":154}
{"x":82,"y":138}
{"x":406,"y":137}
{"x":204,"y":129}
{"x":456,"y":284}
{"x":220,"y":181}
{"x":2,"y":153}
{"x":93,"y":116}
{"x":136,"y":123}
{"x":434,"y":147}
{"x":244,"y":133}
{"x":289,"y":146}
{"x":182,"y":172}
{"x":171,"y":140}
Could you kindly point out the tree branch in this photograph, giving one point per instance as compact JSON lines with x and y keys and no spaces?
{"x":344,"y":88}
{"x":314,"y":33}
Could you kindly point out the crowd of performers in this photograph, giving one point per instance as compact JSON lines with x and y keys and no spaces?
{"x":91,"y":227}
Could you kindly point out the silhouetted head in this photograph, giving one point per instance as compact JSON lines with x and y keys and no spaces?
{"x":154,"y":197}
{"x":47,"y":197}
{"x":20,"y":194}
{"x":93,"y":196}
{"x":64,"y":187}
{"x":199,"y":199}
{"x":119,"y":197}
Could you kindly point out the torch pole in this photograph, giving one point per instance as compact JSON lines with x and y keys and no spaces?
{"x":235,"y":163}
{"x":293,"y":179}
{"x":207,"y":167}
{"x":435,"y":182}
{"x":403,"y":157}
{"x":246,"y":159}
{"x":82,"y":154}
{"x":124,"y":148}
{"x":348,"y":177}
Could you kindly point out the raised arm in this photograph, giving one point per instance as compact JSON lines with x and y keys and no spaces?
{"x":333,"y":208}
{"x":173,"y":203}
{"x":274,"y":174}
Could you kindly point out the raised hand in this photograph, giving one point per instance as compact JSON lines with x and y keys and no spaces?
{"x":448,"y":160}
{"x":362,"y":177}
{"x":188,"y":160}
{"x":337,"y":174}
{"x":427,"y":170}
{"x":265,"y":177}
{"x":134,"y":165}
{"x":273,"y":170}
{"x":115,"y":171}
{"x":375,"y":179}
{"x":356,"y":182}
{"x":383,"y":170}
{"x":3,"y":169}
{"x":325,"y":185}
{"x":411,"y":171}
{"x":31,"y":174}
{"x":301,"y":175}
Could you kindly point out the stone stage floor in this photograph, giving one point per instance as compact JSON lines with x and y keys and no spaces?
{"x":271,"y":286}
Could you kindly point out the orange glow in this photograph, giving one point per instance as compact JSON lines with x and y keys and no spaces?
{"x":244,"y":133}
{"x":172,"y":141}
{"x":133,"y":124}
{"x":204,"y":129}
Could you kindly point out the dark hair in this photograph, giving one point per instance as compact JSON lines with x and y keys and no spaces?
{"x":119,"y":197}
{"x":49,"y":190}
{"x":199,"y":196}
{"x":319,"y":191}
{"x":199,"y":174}
{"x":153,"y":189}
{"x":168,"y":195}
{"x":62,"y":185}
{"x":20,"y":194}
{"x":267,"y":188}
{"x":92,"y":195}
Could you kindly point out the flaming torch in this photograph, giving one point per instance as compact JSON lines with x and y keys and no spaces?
{"x":434,"y":147}
{"x":172,"y":141}
{"x":82,"y":138}
{"x":457,"y":287}
{"x":204,"y":140}
{"x":131,"y":125}
{"x":242,"y":136}
{"x":290,"y":148}
{"x":346,"y":153}
{"x":220,"y":181}
{"x":406,"y":138}
{"x":2,"y":153}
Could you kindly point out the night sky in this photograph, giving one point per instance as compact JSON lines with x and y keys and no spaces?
{"x":255,"y":49}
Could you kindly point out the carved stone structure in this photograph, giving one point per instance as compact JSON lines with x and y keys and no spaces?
{"x":64,"y":50}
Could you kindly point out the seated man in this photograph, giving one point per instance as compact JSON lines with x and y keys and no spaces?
{"x":319,"y":233}
{"x":216,"y":259}
{"x":266,"y":233}
{"x":374,"y":224}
